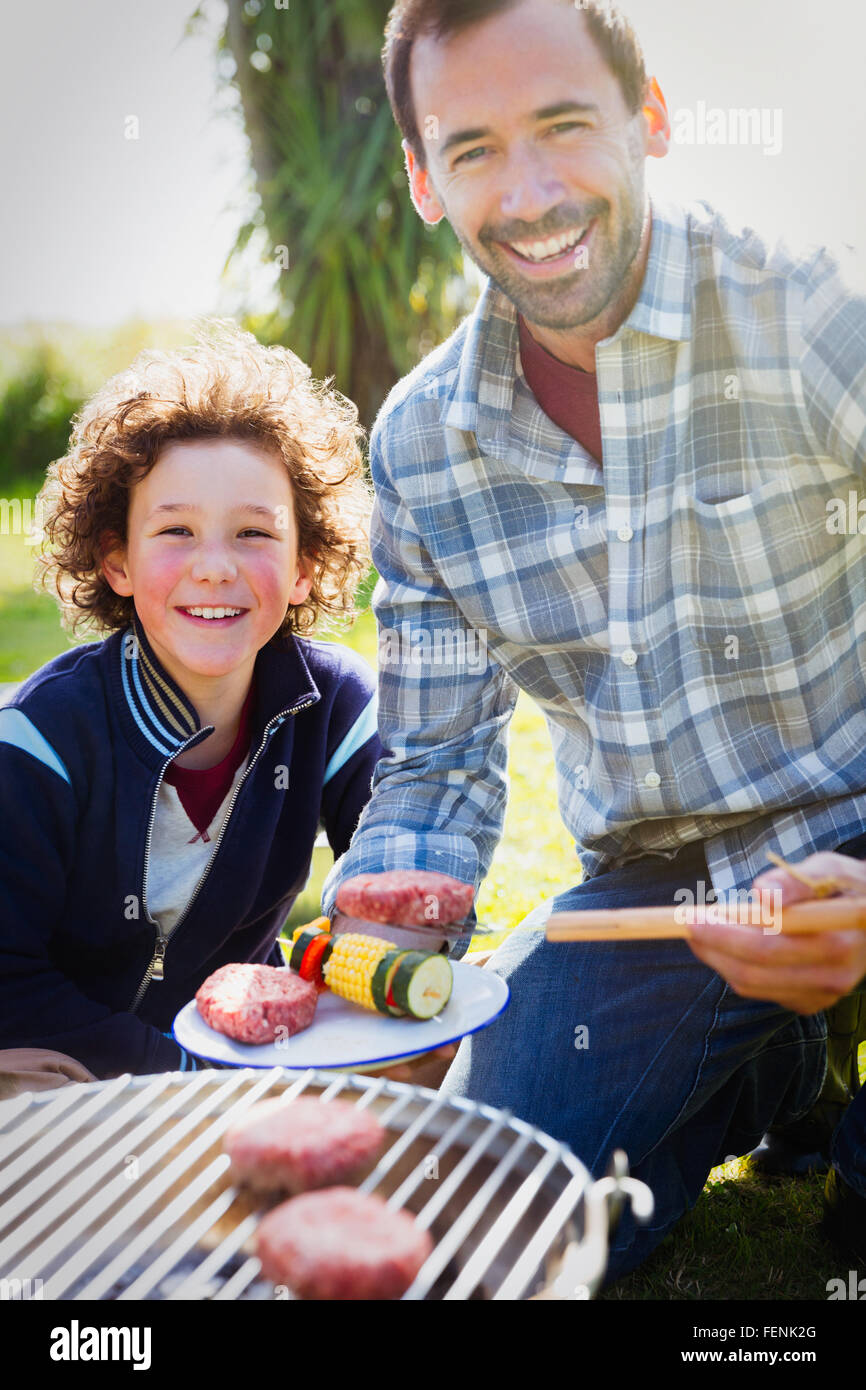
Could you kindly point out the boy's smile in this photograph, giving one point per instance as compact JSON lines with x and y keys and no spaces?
{"x":214,"y":615}
{"x":211,"y":560}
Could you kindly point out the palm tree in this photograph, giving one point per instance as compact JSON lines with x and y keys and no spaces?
{"x":365,"y":287}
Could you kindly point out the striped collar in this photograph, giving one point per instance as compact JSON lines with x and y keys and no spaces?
{"x":161,"y":719}
{"x":164,"y":716}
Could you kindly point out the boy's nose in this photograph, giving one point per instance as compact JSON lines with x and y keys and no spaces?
{"x":213,"y":563}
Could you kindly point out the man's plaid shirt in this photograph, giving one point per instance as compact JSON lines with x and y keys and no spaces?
{"x":690,"y":618}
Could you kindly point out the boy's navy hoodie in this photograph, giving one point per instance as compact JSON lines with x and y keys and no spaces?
{"x":83,"y":748}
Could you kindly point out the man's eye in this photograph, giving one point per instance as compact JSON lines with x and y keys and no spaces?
{"x":569,"y":125}
{"x":468,"y":156}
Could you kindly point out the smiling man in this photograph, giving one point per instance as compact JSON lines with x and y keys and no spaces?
{"x":539,"y":191}
{"x":619,"y":469}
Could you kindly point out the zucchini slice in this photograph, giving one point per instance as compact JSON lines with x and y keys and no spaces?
{"x":381,"y":982}
{"x":422,"y":983}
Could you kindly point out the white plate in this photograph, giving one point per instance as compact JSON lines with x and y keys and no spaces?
{"x":345,"y":1035}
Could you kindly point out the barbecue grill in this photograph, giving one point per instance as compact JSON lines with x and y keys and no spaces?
{"x":119,"y":1190}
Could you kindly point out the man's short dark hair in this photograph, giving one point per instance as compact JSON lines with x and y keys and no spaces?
{"x":409,"y":19}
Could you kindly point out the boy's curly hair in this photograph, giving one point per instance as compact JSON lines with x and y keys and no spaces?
{"x":227,"y":386}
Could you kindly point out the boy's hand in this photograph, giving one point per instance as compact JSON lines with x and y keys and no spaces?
{"x":805,"y":973}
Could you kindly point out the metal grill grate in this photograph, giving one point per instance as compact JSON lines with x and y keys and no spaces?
{"x":119,"y":1190}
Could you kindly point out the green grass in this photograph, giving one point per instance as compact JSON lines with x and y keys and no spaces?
{"x":30,"y":635}
{"x":30,"y":630}
{"x":747,"y":1237}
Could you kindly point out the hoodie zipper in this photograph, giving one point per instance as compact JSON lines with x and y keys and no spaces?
{"x":156,"y":967}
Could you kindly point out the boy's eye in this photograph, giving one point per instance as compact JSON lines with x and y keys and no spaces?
{"x":185,"y":531}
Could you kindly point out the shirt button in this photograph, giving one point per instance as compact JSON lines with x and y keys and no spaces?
{"x":629,"y":658}
{"x":652,"y":779}
{"x":625,"y":533}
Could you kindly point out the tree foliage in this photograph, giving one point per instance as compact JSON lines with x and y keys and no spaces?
{"x":365,"y":289}
{"x":36,"y":406}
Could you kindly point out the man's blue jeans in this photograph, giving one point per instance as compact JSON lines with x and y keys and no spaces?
{"x":639,"y":1046}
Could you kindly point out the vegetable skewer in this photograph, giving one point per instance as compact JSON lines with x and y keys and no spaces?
{"x":371,"y":972}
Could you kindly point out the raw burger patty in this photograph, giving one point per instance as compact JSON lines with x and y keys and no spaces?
{"x":250,"y":1002}
{"x":407,"y":897}
{"x":341,"y":1244}
{"x":289,"y":1147}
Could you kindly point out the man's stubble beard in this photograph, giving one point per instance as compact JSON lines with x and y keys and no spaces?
{"x":548,"y":306}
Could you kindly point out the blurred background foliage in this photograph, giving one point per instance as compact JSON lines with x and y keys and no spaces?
{"x":365,"y":288}
{"x":35,"y":410}
{"x":46,"y":373}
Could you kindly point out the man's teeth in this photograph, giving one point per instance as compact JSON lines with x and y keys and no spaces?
{"x":546,"y":250}
{"x":215,"y":612}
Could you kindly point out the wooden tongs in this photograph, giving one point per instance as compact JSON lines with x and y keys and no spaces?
{"x":839,"y":905}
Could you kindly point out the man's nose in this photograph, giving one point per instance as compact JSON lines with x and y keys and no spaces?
{"x":532,"y":186}
{"x":213,"y":563}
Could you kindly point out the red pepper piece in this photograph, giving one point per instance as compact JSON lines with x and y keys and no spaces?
{"x":311,"y":965}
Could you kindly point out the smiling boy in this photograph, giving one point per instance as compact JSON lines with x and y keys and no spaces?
{"x":161,"y":790}
{"x":212,"y":575}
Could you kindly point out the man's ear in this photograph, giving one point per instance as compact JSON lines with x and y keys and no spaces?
{"x":114,"y":566}
{"x":426,"y":203}
{"x":655,"y":112}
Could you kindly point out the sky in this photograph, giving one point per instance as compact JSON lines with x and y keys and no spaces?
{"x":97,"y":228}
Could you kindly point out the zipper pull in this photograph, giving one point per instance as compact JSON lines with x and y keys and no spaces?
{"x":158,"y":962}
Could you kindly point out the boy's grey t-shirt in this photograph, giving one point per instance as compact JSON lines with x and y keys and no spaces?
{"x":179,"y":853}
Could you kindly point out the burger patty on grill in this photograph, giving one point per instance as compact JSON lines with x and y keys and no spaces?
{"x":280,"y":1146}
{"x":341,"y":1244}
{"x":407,"y":897}
{"x":253,"y":1003}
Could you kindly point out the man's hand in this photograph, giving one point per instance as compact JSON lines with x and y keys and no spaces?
{"x":802,"y":973}
{"x":428,"y":1069}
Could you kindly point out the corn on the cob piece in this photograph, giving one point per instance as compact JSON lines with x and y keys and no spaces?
{"x":352,"y":964}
